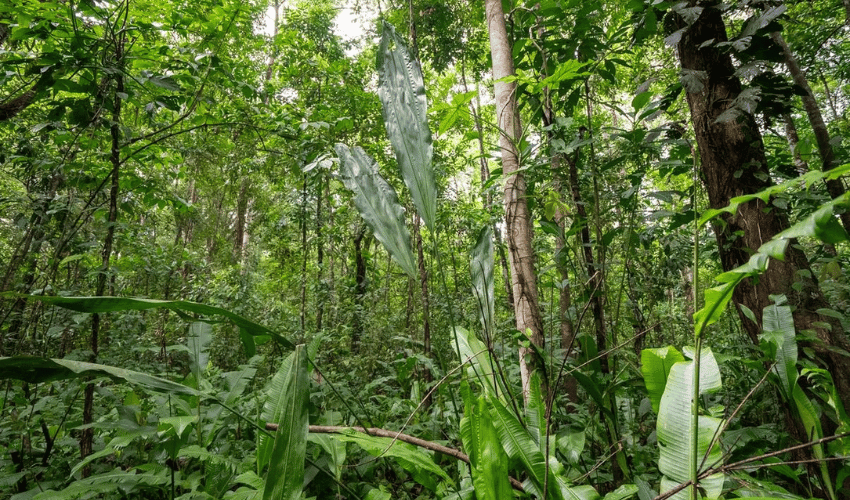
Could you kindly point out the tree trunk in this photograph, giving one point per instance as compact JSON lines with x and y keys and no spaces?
{"x":241,"y":216}
{"x":517,"y":216}
{"x":106,"y":254}
{"x":359,"y":290}
{"x":484,"y":173}
{"x":426,"y":299}
{"x":733,"y":164}
{"x":320,"y":260}
{"x":827,"y":155}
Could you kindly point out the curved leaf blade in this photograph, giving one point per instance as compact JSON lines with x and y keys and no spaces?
{"x":285,"y":478}
{"x":115,"y":304}
{"x":378,"y":204}
{"x":401,"y":89}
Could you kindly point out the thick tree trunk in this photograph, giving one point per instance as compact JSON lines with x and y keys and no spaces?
{"x":733,"y":164}
{"x":827,"y":155}
{"x":517,"y":216}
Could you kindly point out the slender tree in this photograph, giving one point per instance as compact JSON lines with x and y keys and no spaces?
{"x":517,"y":216}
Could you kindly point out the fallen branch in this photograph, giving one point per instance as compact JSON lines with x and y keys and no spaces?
{"x":407,"y":438}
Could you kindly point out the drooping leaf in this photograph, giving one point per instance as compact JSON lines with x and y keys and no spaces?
{"x":487,"y":457}
{"x":37,"y":370}
{"x":114,"y":304}
{"x":779,"y":333}
{"x":412,"y":459}
{"x":655,"y":367}
{"x":200,"y":336}
{"x":285,"y":478}
{"x":378,"y":204}
{"x":401,"y":89}
{"x":481,"y":267}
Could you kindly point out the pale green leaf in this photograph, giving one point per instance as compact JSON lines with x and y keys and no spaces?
{"x":378,"y":204}
{"x":401,"y":89}
{"x":285,"y":478}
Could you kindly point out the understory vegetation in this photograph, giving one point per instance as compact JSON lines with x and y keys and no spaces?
{"x":424,"y":249}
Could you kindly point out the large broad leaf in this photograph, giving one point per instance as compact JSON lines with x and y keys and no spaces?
{"x":674,"y":428}
{"x":520,"y":446}
{"x":402,"y":92}
{"x":274,"y":408}
{"x":481,"y":267}
{"x":200,"y":337}
{"x":248,"y":329}
{"x":481,"y":365}
{"x":378,"y":204}
{"x":655,"y":366}
{"x":285,"y":478}
{"x":37,"y":370}
{"x":779,"y":342}
{"x":489,"y":464}
{"x":412,"y":459}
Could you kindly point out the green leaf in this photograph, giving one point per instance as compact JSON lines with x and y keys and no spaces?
{"x":674,"y":428}
{"x":481,"y":366}
{"x":481,"y":266}
{"x":412,"y":459}
{"x":401,"y":89}
{"x":621,"y":493}
{"x":488,"y":461}
{"x":519,"y":445}
{"x":114,"y":304}
{"x":779,"y":332}
{"x":200,"y":337}
{"x":285,"y":478}
{"x":641,"y":100}
{"x":378,"y":204}
{"x":655,"y":367}
{"x":37,"y":370}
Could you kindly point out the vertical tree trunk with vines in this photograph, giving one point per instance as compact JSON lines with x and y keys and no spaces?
{"x":112,"y":218}
{"x":517,"y":216}
{"x":733,"y":163}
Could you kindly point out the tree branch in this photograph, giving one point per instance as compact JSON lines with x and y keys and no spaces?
{"x":407,"y":438}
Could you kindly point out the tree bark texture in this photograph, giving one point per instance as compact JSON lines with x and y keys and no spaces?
{"x":517,"y":216}
{"x":733,"y":164}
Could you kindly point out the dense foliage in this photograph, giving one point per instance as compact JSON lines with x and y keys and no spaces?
{"x":247,"y":254}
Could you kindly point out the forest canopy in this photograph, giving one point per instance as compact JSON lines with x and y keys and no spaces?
{"x":424,"y":249}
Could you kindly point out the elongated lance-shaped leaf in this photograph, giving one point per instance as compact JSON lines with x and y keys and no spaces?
{"x":520,"y":446}
{"x":489,"y":464}
{"x":378,"y":204}
{"x":412,"y":459}
{"x":37,"y":370}
{"x":402,"y":92}
{"x":200,"y":336}
{"x":285,"y":478}
{"x":674,"y":428}
{"x":779,"y":339}
{"x":248,"y":329}
{"x":481,"y":365}
{"x":481,"y":267}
